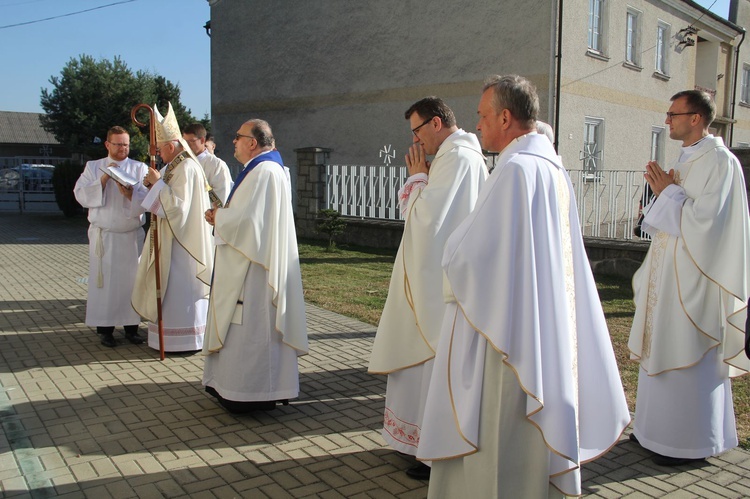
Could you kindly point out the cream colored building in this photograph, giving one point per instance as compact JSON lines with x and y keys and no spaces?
{"x":339,"y":74}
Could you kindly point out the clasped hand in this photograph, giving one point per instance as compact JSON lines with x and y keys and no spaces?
{"x":657,"y":178}
{"x":415,"y":160}
{"x":211,"y":214}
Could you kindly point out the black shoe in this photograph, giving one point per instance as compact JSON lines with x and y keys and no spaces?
{"x":634,"y":439}
{"x":674,"y":461}
{"x":134,"y":338}
{"x":236,"y":407}
{"x":108,"y":341}
{"x":419,"y":472}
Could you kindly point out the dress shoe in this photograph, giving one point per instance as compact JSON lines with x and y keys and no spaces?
{"x":634,"y":439}
{"x":674,"y":461}
{"x":108,"y":341}
{"x":134,"y":338}
{"x":419,"y":472}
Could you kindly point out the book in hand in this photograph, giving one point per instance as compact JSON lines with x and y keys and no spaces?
{"x":120,"y":176}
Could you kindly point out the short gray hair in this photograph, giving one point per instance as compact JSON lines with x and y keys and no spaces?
{"x":517,"y":95}
{"x":543,"y":128}
{"x":262,"y":132}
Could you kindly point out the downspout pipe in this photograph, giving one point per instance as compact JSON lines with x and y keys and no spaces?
{"x":734,"y":85}
{"x":558,"y":76}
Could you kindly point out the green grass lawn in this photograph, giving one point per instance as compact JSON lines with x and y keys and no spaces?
{"x":354,"y":282}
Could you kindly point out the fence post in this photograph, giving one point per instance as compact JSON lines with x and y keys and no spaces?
{"x":311,"y":187}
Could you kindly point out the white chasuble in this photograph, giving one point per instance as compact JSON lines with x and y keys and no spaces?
{"x":409,"y":327}
{"x":690,"y":296}
{"x":256,"y":320}
{"x":115,"y":241}
{"x":524,"y":307}
{"x":185,"y":257}
{"x":217,"y":174}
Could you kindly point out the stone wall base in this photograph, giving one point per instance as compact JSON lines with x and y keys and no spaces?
{"x":607,"y":256}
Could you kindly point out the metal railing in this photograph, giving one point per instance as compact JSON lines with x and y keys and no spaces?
{"x":365,"y":191}
{"x":608,"y":201}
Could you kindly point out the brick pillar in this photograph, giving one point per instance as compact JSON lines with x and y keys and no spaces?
{"x":311,"y":188}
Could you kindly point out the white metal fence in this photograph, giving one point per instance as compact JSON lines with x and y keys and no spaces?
{"x":608,"y":201}
{"x":365,"y":191}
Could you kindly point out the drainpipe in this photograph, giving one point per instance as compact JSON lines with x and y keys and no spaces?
{"x":558,"y":77}
{"x":734,"y":86}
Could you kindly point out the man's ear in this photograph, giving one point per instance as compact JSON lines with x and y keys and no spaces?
{"x":438,"y":123}
{"x":505,"y":119}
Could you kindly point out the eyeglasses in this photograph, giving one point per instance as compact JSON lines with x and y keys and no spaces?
{"x":118,"y":145}
{"x":414,"y":130}
{"x":237,"y":136}
{"x":672,"y":115}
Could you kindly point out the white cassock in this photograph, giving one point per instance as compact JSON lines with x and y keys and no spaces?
{"x":690,"y":297}
{"x":179,"y":200}
{"x":409,"y":327}
{"x":115,"y":242}
{"x":256,"y":320}
{"x":217,"y":174}
{"x":525,"y":386}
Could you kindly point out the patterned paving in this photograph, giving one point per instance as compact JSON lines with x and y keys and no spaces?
{"x":82,"y":420}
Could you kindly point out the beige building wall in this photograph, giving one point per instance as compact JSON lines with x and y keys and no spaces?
{"x":740,"y":14}
{"x":340,"y":74}
{"x":630,"y":100}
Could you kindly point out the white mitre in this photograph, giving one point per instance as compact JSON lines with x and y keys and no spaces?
{"x":167,"y":129}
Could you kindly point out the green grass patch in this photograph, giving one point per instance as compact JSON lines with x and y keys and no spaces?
{"x":353,"y":281}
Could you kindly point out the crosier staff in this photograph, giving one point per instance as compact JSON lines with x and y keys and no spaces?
{"x":154,"y":225}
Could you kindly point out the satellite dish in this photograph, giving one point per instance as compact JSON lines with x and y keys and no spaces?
{"x":9,"y":178}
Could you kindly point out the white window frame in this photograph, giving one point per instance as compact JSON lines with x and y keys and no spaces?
{"x":663,"y":35}
{"x":745,"y":90}
{"x":597,"y":26}
{"x":592,"y":156}
{"x":633,"y":37}
{"x":657,"y":144}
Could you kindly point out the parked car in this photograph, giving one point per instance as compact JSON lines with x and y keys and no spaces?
{"x":36,"y":177}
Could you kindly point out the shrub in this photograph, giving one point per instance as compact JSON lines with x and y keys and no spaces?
{"x":330,"y":223}
{"x":63,"y":180}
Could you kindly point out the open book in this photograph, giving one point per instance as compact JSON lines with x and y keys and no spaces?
{"x":120,"y":176}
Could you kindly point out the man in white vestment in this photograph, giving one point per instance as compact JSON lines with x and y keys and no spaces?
{"x":525,"y":388}
{"x":691,"y":292}
{"x":178,"y":196}
{"x":115,"y":238}
{"x":216,"y":170}
{"x":210,"y":144}
{"x":436,"y":198}
{"x":256,"y":319}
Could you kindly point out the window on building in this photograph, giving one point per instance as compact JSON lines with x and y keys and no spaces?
{"x":662,"y":48}
{"x":745,"y":93}
{"x":597,"y":25}
{"x":632,"y":37}
{"x":591,"y":156}
{"x":657,"y":144}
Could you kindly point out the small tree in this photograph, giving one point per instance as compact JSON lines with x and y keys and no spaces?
{"x":90,"y":96}
{"x":330,"y":223}
{"x":64,"y":178}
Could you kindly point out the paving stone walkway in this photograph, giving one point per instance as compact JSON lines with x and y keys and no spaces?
{"x":82,"y":420}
